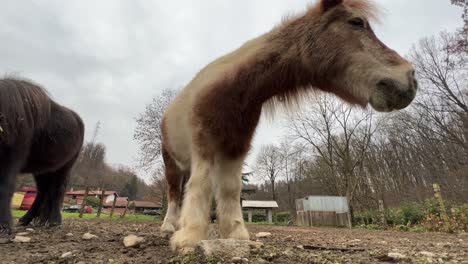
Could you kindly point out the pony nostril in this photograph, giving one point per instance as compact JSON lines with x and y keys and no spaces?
{"x":412,"y":73}
{"x":385,"y":84}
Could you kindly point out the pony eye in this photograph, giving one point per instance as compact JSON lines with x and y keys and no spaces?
{"x":357,"y":22}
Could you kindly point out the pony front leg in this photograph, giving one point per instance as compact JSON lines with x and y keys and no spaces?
{"x":8,"y":173}
{"x":228,"y":188}
{"x":193,"y":220}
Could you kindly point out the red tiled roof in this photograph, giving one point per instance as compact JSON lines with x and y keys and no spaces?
{"x":146,"y":204}
{"x":82,"y":192}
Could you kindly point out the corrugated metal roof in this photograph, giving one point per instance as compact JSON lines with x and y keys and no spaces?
{"x":259,"y":204}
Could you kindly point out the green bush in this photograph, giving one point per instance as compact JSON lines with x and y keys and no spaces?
{"x":257,"y":216}
{"x":92,"y":201}
{"x":414,"y":217}
{"x":411,"y":213}
{"x":457,"y":221}
{"x":367,"y":217}
{"x":431,"y":207}
{"x":282,"y":217}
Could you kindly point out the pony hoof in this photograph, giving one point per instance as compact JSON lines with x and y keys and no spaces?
{"x":240,"y":235}
{"x":167,"y":229}
{"x":5,"y":239}
{"x":186,"y":251}
{"x":23,"y":222}
{"x":185,"y":242}
{"x":5,"y":234}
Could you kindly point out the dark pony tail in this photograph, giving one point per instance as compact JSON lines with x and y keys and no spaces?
{"x":24,"y":108}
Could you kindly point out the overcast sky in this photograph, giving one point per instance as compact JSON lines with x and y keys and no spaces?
{"x":106,"y":59}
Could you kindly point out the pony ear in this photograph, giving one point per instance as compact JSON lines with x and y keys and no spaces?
{"x":329,"y":4}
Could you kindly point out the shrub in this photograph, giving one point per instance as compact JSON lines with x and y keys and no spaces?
{"x":415,"y":217}
{"x":282,"y":217}
{"x":431,"y":207}
{"x":92,"y":201}
{"x":367,"y":217}
{"x":257,"y":216}
{"x":411,"y":213}
{"x":457,"y":221}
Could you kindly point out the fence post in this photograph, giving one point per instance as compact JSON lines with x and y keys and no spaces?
{"x":125,"y":211}
{"x":443,"y":210}
{"x":101,"y":201}
{"x":113,"y":206}
{"x":83,"y":204}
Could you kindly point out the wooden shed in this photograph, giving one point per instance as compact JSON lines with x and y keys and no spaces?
{"x":268,"y":206}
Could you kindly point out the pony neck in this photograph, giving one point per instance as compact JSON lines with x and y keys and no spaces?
{"x":272,"y":72}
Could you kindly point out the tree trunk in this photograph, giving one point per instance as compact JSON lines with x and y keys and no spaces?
{"x":273,"y":194}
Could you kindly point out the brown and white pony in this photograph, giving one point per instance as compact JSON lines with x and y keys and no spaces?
{"x":207,"y":130}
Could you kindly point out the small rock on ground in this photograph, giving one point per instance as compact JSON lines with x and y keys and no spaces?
{"x":263,"y":235}
{"x":239,"y":260}
{"x":22,"y":239}
{"x":427,"y":254}
{"x":396,"y":255}
{"x":89,"y":236}
{"x":133,"y":241}
{"x":66,"y":255}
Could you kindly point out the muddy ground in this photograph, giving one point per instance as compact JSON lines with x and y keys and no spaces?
{"x":285,"y":245}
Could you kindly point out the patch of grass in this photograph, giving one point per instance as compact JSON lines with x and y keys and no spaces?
{"x":20,"y":213}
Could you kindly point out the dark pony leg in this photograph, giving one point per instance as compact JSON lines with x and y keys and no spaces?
{"x":46,"y":209}
{"x":176,"y":180}
{"x":9,"y":168}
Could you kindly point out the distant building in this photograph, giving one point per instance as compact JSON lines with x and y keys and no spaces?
{"x":120,"y":205}
{"x":136,"y":207}
{"x":76,"y":197}
{"x":323,"y":211}
{"x":268,"y":206}
{"x":140,"y":206}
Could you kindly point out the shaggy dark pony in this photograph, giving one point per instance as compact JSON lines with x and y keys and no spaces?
{"x":39,"y":137}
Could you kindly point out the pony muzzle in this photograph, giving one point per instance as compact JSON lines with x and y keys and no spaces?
{"x":391,"y":94}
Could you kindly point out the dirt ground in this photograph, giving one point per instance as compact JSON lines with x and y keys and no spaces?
{"x":285,"y":245}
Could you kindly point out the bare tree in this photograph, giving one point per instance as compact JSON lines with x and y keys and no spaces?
{"x":148,"y":132}
{"x":269,"y":165}
{"x":339,"y":136}
{"x":444,"y":99}
{"x":91,"y":163}
{"x":461,"y":45}
{"x":291,"y":157}
{"x":158,"y":188}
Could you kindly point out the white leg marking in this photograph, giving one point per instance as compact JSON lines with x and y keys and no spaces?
{"x":227,"y":177}
{"x":194,"y":216}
